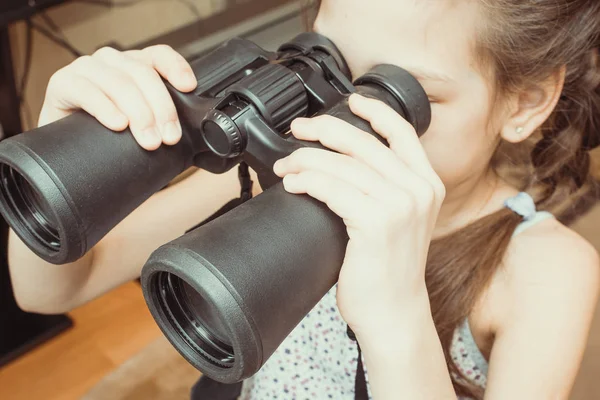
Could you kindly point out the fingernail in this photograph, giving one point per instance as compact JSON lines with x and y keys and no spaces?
{"x":290,"y":182}
{"x":119,"y":121}
{"x":296,"y":124}
{"x":278,"y":167}
{"x":190,"y":79}
{"x":300,"y":121}
{"x":171,"y":132}
{"x":151,"y":134}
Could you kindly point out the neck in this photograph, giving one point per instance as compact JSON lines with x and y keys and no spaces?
{"x":471,"y":200}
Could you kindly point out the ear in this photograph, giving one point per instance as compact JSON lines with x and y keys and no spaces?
{"x":530,"y":108}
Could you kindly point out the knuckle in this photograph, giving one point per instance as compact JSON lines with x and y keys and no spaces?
{"x":125,"y":83}
{"x":131,"y":53}
{"x":148,"y":77}
{"x":82,"y":63}
{"x":372,"y":140}
{"x":318,"y":179}
{"x":405,"y":203}
{"x":379,"y":220}
{"x":170,"y":113}
{"x":144,"y":71}
{"x":306,"y":179}
{"x":106,"y":52}
{"x":408,"y":126}
{"x":328,"y":121}
{"x":404,"y":125}
{"x":140,"y":113}
{"x":166,"y":53}
{"x":439,"y":189}
{"x":293,"y":159}
{"x":143,"y":117}
{"x":377,"y":103}
{"x":57,"y":78}
{"x":160,"y":48}
{"x":300,"y":155}
{"x":310,"y":152}
{"x":427,"y":197}
{"x":381,"y":126}
{"x":324,"y":117}
{"x":377,"y":106}
{"x":304,"y":176}
{"x":399,"y":206}
{"x":395,"y":125}
{"x":423,"y":196}
{"x":327,"y":127}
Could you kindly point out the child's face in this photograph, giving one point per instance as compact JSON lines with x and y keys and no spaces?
{"x":434,"y":41}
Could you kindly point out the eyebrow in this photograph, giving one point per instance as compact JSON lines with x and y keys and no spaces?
{"x":429,"y":75}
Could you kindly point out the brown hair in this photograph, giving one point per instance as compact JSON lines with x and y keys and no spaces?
{"x":525,"y":43}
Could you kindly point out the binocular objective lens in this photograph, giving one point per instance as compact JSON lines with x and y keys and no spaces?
{"x":195,"y":320}
{"x":30,"y":207}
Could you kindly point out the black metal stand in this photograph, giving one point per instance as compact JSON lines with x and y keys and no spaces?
{"x":19,"y":331}
{"x":10,"y":117}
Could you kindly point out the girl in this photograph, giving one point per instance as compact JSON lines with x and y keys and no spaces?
{"x":453,"y":282}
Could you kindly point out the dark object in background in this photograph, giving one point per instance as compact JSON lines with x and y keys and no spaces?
{"x":219,"y":293}
{"x":19,"y":331}
{"x":12,"y":10}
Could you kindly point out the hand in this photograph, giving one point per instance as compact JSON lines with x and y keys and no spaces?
{"x":389,"y":199}
{"x":123,"y":89}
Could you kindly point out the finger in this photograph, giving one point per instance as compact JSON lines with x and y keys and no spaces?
{"x":126,"y":95}
{"x":64,"y":97}
{"x":343,"y":199}
{"x":399,"y":133}
{"x":154,"y":91}
{"x":170,"y":65}
{"x":340,"y":136}
{"x":337,"y":165}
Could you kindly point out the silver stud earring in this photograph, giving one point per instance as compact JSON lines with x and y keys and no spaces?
{"x":520,"y":130}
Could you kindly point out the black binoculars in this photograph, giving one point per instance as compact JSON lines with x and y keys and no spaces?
{"x":227,"y":293}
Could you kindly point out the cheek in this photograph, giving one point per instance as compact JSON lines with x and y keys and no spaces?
{"x":459,"y":142}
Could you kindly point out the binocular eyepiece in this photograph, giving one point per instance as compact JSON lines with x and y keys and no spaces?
{"x":225,"y":294}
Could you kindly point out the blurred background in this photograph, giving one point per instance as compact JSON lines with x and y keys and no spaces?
{"x":111,"y":347}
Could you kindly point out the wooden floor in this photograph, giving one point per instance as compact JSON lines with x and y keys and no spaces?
{"x":107,"y":332}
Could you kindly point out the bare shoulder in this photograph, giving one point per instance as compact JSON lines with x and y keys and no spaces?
{"x":547,"y":266}
{"x":550,"y":253}
{"x":541,"y":305}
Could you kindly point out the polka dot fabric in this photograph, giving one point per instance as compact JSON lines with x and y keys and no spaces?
{"x":467,"y":357}
{"x":316,"y":361}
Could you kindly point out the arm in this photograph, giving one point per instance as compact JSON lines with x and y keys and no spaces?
{"x":407,"y":358}
{"x":118,"y":258}
{"x":543,"y":329}
{"x":120,"y":90}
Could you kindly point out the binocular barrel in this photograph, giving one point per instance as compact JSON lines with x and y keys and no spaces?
{"x":228,"y":293}
{"x":65,"y":185}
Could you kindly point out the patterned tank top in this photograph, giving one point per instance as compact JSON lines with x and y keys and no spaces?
{"x":319,"y":361}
